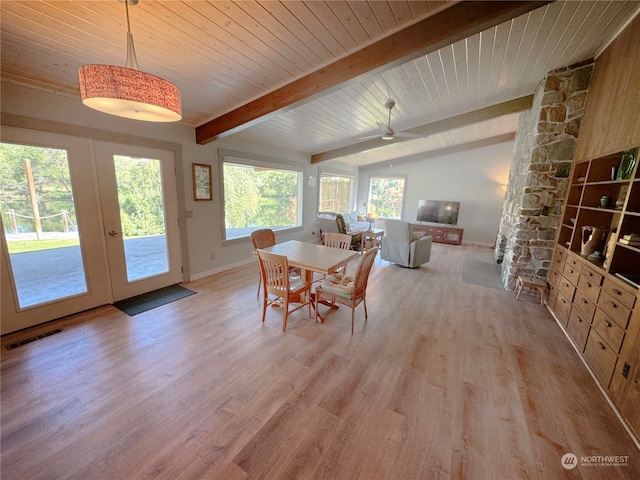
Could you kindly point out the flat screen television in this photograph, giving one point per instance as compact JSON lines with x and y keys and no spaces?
{"x":438,"y":211}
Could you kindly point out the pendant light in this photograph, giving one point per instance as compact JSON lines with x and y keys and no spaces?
{"x":127,"y":91}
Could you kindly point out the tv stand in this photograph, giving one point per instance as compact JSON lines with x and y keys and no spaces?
{"x":450,"y":235}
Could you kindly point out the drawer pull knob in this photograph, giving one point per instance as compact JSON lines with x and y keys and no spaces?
{"x":614,"y":305}
{"x":617,"y":292}
{"x":589,"y":285}
{"x":601,"y":346}
{"x":609,"y":324}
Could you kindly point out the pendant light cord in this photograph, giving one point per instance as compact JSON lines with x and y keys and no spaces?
{"x":132,"y":61}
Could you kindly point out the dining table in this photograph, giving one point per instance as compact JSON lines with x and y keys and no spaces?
{"x":312,"y":257}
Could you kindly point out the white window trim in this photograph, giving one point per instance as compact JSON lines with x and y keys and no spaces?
{"x":404,"y":193}
{"x":254,"y":160}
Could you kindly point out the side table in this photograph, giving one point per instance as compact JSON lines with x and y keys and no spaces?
{"x":372,"y":238}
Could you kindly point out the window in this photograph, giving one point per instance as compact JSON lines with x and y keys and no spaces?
{"x":336,"y":193}
{"x":386,"y":196}
{"x":257,"y":195}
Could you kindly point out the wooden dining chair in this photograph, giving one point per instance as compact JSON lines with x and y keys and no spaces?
{"x":262,"y":238}
{"x":347,"y":290}
{"x":277,"y":281}
{"x":337,"y":240}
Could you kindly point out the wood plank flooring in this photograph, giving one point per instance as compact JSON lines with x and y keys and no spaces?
{"x":445,"y":380}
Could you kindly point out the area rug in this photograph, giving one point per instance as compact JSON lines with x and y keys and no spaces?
{"x":147,"y":301}
{"x":482,"y":269}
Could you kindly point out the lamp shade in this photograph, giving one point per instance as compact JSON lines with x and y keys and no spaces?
{"x":130,"y":93}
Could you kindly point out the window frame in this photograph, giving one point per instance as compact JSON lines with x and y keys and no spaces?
{"x":352,"y":188}
{"x":252,"y":160}
{"x":404,"y":177}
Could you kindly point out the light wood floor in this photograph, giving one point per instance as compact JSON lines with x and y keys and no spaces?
{"x":445,"y":380}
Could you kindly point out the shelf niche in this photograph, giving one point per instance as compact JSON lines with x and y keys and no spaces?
{"x":590,"y":181}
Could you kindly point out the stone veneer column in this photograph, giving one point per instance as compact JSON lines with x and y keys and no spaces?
{"x":545,"y":144}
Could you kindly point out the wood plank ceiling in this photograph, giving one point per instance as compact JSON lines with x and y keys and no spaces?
{"x":223,"y":55}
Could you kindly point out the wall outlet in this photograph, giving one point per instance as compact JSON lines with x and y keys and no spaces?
{"x":213,"y":256}
{"x":188,"y":213}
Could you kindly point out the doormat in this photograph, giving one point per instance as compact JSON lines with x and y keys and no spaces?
{"x":147,"y":301}
{"x":482,"y":269}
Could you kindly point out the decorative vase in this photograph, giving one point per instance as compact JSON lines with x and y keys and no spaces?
{"x":593,"y":239}
{"x":614,"y":173}
{"x":605,"y":201}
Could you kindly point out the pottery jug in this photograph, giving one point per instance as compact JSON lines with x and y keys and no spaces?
{"x":593,"y":239}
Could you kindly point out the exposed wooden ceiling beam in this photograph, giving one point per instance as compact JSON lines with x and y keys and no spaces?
{"x":457,"y":121}
{"x":463,"y":147}
{"x":445,"y":26}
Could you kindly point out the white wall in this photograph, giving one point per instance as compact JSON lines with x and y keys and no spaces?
{"x":202,"y":236}
{"x":475,"y":178}
{"x":472,"y":177}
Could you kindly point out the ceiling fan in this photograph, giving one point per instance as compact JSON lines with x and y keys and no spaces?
{"x":389,"y":133}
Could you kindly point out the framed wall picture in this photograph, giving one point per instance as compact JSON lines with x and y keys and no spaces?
{"x":201,"y":181}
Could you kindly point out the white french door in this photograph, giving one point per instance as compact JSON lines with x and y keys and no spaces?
{"x":140,"y":218}
{"x":84,"y":224}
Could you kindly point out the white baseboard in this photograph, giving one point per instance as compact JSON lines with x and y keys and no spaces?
{"x":224,"y":268}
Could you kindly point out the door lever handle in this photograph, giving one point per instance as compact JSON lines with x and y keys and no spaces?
{"x":113,"y":233}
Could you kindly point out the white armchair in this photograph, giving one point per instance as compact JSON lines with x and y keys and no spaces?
{"x":399,"y":246}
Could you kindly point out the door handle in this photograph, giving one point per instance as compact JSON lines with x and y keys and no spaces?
{"x":113,"y":233}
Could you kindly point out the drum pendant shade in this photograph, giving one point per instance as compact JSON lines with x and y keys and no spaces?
{"x":129,"y":92}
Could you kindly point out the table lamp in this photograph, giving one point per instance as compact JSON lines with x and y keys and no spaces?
{"x":371,"y":218}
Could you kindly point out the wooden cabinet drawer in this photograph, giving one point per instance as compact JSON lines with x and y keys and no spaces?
{"x":615,"y":310}
{"x":584,"y":305}
{"x":567,"y":289}
{"x":562,"y":309}
{"x":611,"y":333}
{"x":589,"y":287}
{"x":573,"y":261}
{"x":572,"y":272}
{"x":600,"y":357}
{"x":578,"y":329}
{"x":593,"y":275}
{"x":559,"y":257}
{"x":552,"y":296}
{"x":436,"y":233}
{"x":554,"y":277}
{"x":621,"y":295}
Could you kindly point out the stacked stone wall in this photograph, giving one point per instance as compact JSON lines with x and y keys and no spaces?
{"x":539,"y":177}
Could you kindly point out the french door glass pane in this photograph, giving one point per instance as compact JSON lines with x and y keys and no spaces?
{"x":142,"y":216}
{"x":40,"y":224}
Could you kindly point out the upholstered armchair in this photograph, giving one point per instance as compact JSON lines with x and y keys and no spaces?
{"x":356,"y":237}
{"x":399,"y":246}
{"x":327,"y":223}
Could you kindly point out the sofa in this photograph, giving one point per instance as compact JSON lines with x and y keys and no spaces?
{"x":399,"y":246}
{"x":355,"y":222}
